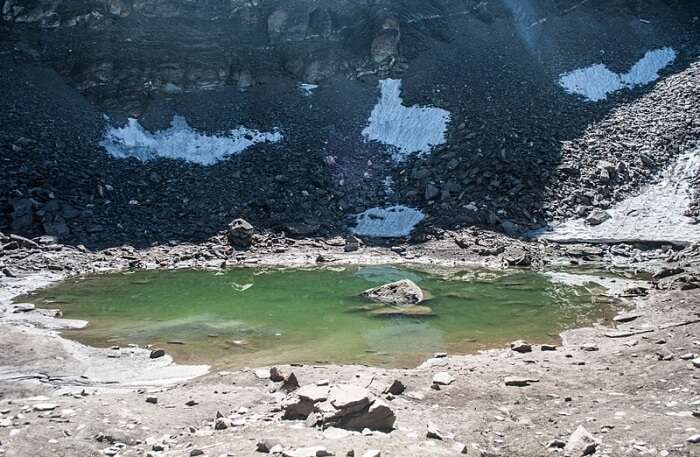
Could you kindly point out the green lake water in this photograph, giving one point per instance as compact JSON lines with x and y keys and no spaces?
{"x":254,"y":317}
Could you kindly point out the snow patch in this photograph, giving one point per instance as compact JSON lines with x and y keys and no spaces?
{"x":595,"y":82}
{"x":656,"y":214}
{"x":408,"y":129}
{"x":307,"y":90}
{"x":391,"y":222}
{"x":614,"y":286}
{"x":181,"y":142}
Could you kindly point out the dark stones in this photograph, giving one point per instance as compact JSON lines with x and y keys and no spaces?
{"x":157,"y":353}
{"x":240,"y":233}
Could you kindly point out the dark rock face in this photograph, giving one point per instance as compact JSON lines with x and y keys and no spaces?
{"x":519,"y":152}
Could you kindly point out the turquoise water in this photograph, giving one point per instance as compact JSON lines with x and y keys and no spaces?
{"x":253,"y":317}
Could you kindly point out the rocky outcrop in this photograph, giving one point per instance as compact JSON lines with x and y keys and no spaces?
{"x":343,"y":406}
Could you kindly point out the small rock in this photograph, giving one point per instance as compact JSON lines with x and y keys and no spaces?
{"x":695,"y":439}
{"x":266,"y":445}
{"x":152,"y":400}
{"x":433,"y":432}
{"x":196,"y":452}
{"x":221,"y":423}
{"x":589,"y":347}
{"x":521,"y":346}
{"x":696,"y":362}
{"x":459,"y":448}
{"x":315,"y":451}
{"x":157,"y":353}
{"x":622,"y":318}
{"x":395,"y":388}
{"x":597,"y":217}
{"x":516,"y":381}
{"x":443,"y":378}
{"x":45,"y":407}
{"x":548,"y":347}
{"x":556,"y":444}
{"x":580,"y":444}
{"x":372,"y":453}
{"x":276,"y":375}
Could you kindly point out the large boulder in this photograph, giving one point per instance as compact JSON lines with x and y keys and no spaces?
{"x":240,"y":233}
{"x":402,"y":293}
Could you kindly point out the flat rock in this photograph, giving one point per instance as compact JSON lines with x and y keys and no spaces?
{"x":314,"y":451}
{"x":443,"y":378}
{"x":409,"y":311}
{"x":45,"y":406}
{"x":628,"y":317}
{"x":313,"y":393}
{"x":518,"y":381}
{"x":346,"y":396}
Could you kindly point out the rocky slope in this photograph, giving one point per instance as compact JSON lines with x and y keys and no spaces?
{"x":518,"y":151}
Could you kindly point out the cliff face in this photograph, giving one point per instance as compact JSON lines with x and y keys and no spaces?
{"x":351,"y":87}
{"x":117,"y":52}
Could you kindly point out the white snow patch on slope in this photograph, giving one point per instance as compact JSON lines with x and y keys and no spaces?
{"x":307,"y":90}
{"x":391,"y":222}
{"x":597,"y":81}
{"x":656,"y":214}
{"x":181,"y":142}
{"x":408,"y":129}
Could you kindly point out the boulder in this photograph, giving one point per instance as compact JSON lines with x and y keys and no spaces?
{"x":402,"y":293}
{"x":240,"y":233}
{"x":580,"y":444}
{"x":597,"y":217}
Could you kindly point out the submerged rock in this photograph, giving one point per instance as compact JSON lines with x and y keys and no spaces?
{"x":411,"y":311}
{"x":403,"y":292}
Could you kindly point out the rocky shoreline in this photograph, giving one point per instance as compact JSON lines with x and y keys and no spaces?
{"x":602,"y":391}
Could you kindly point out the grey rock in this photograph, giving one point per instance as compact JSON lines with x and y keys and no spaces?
{"x":597,"y":217}
{"x":240,"y":233}
{"x":580,"y":443}
{"x":403,"y":292}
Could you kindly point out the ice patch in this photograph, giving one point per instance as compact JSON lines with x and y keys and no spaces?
{"x":181,"y":142}
{"x":595,"y":82}
{"x":391,"y":222}
{"x":409,"y":129}
{"x":307,"y":90}
{"x":656,"y":214}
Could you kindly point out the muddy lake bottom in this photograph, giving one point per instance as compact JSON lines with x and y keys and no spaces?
{"x":256,"y":317}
